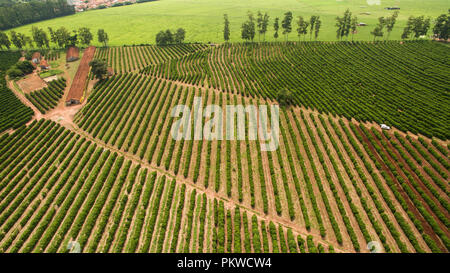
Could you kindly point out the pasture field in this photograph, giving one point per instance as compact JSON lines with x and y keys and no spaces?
{"x":203,"y":19}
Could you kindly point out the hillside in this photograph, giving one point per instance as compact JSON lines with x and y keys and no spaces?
{"x":112,"y":177}
{"x":203,"y":19}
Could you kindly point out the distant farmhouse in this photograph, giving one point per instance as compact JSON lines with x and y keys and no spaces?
{"x":44,"y":65}
{"x":73,"y":54}
{"x":36,"y":58}
{"x":76,"y":90}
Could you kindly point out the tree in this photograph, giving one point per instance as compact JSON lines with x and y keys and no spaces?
{"x":17,"y":39}
{"x":99,"y":68}
{"x":302,"y":27}
{"x":408,"y":28}
{"x":28,"y":40}
{"x":276,"y":26}
{"x":312,"y":22}
{"x":417,"y":25}
{"x":4,"y":40}
{"x":262,"y":23}
{"x":317,"y":27}
{"x":53,"y":36}
{"x":353,"y":25}
{"x":420,"y":26}
{"x":14,"y":72}
{"x":102,"y":37}
{"x":248,"y":28}
{"x":378,"y":30}
{"x":441,"y":28}
{"x":85,"y":36}
{"x":161,"y":38}
{"x":390,"y":23}
{"x":259,"y":24}
{"x":265,"y":24}
{"x":17,"y":13}
{"x":179,"y":36}
{"x":40,"y":37}
{"x":226,"y":28}
{"x":286,"y":24}
{"x":285,"y":97}
{"x":62,"y":36}
{"x":169,"y":36}
{"x":73,"y":39}
{"x":343,"y":24}
{"x":164,"y":38}
{"x":25,"y":66}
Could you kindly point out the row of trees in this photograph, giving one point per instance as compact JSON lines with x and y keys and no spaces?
{"x":346,"y":25}
{"x":60,"y":37}
{"x":250,"y":27}
{"x":164,"y":38}
{"x":385,"y":22}
{"x":26,"y":12}
{"x":19,"y":69}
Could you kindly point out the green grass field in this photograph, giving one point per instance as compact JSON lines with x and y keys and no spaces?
{"x":203,"y":19}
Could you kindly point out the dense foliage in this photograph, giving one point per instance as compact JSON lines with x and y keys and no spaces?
{"x":13,"y":113}
{"x":18,"y":14}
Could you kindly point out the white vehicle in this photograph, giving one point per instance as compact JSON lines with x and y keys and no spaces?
{"x":385,"y":127}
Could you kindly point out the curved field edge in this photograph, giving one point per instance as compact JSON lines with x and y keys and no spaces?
{"x":203,"y":19}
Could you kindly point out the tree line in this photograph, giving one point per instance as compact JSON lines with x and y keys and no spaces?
{"x":347,"y":24}
{"x":17,"y":14}
{"x":260,"y":25}
{"x":60,"y":38}
{"x":164,"y":38}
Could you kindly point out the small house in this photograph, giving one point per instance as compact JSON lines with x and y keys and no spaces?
{"x":73,"y":54}
{"x":361,"y":24}
{"x":44,"y":65}
{"x":36,"y":57}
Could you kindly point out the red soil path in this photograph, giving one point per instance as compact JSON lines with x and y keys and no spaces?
{"x":79,"y":82}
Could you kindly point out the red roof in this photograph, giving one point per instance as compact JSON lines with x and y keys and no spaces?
{"x":36,"y":55}
{"x":72,"y":53}
{"x":44,"y":63}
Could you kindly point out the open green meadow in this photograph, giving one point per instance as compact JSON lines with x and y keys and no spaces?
{"x":203,"y":19}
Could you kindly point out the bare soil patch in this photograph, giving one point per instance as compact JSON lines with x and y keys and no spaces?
{"x":31,"y":83}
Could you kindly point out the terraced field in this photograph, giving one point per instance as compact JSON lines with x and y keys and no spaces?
{"x":48,"y":97}
{"x":60,"y":187}
{"x":13,"y":113}
{"x":131,"y":58}
{"x":402,"y":84}
{"x":114,"y":180}
{"x":320,"y":178}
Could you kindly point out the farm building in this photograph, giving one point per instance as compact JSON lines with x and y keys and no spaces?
{"x":361,"y":24}
{"x":36,"y":57}
{"x":73,"y":54}
{"x":44,"y":65}
{"x":76,"y":90}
